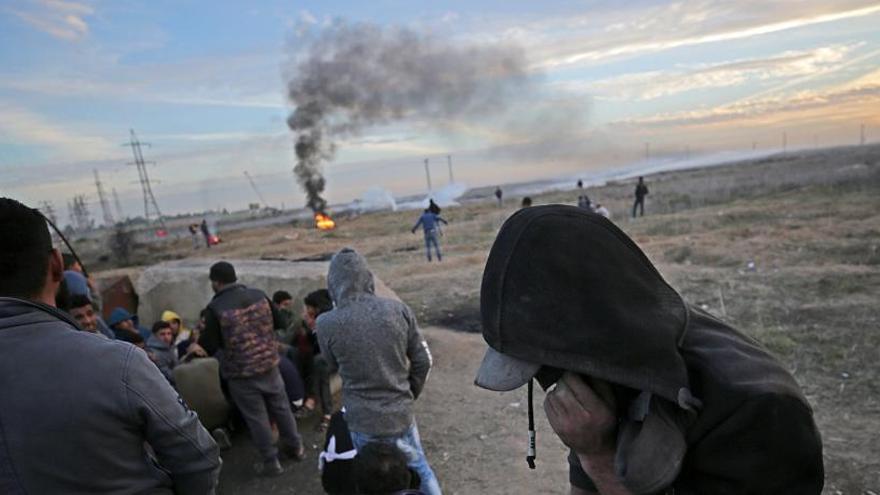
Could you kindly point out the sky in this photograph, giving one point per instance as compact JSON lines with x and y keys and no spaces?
{"x":204,"y":83}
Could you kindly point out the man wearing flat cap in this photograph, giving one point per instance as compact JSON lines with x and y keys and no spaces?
{"x":650,"y":394}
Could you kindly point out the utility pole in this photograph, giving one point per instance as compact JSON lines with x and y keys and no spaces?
{"x":254,"y":186}
{"x":754,"y":145}
{"x":119,"y":213}
{"x":149,"y":198}
{"x":647,"y":152}
{"x":428,"y":175}
{"x":102,"y":198}
{"x":862,"y":136}
{"x":449,"y":163}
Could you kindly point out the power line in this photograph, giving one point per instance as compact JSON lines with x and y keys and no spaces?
{"x":254,"y":186}
{"x":119,"y":213}
{"x":102,"y":198}
{"x":150,"y":205}
{"x":428,"y":175}
{"x":449,"y":163}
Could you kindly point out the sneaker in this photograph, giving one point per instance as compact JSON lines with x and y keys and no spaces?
{"x":222,"y":438}
{"x":269,"y":468}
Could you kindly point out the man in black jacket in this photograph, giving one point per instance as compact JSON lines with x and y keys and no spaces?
{"x":651,"y":395}
{"x":641,"y":192}
{"x":76,"y":409}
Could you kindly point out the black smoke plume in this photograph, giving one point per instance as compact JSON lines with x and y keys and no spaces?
{"x":351,"y":76}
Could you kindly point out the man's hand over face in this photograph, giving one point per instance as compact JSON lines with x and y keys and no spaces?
{"x":584,"y":418}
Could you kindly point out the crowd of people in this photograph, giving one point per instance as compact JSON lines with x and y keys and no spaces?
{"x":649,"y":393}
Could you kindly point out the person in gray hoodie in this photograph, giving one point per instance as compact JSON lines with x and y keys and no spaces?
{"x":161,"y":350}
{"x":382,"y":358}
{"x":77,"y":411}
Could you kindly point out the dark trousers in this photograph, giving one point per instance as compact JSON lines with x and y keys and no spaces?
{"x":260,"y":399}
{"x":316,"y":374}
{"x":640,"y":202}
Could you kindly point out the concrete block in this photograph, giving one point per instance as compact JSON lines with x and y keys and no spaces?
{"x":183,"y":285}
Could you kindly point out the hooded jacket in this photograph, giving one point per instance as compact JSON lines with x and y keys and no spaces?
{"x":118,"y":315}
{"x":77,"y":409}
{"x":183,"y":333}
{"x":376,"y":345}
{"x":716,"y":412}
{"x":164,"y":355}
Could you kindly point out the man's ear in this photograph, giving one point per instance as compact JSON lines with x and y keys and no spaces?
{"x":56,"y":266}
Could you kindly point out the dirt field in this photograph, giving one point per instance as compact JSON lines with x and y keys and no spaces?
{"x":785,"y":248}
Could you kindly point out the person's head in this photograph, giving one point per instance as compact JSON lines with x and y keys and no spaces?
{"x":641,"y":179}
{"x":82,"y":310}
{"x":222,"y":274}
{"x":121,"y":319}
{"x":314,"y":305}
{"x":526,"y":202}
{"x":380,"y":468}
{"x":282,"y":299}
{"x":174,"y":320}
{"x":30,"y":268}
{"x":162,"y":331}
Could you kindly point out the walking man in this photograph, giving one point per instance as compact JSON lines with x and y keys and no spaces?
{"x":430,"y":223}
{"x":241,"y":321}
{"x":80,"y":413}
{"x":499,"y":195}
{"x":382,"y":358}
{"x":641,"y":192}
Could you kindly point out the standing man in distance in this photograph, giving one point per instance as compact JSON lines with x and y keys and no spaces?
{"x":430,"y":223}
{"x":383,"y":360}
{"x":76,"y":411}
{"x":641,"y":192}
{"x":242,"y":321}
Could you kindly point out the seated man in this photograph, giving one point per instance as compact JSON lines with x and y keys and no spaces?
{"x":178,"y":329}
{"x":122,"y":322}
{"x":83,"y":313}
{"x":652,"y":395}
{"x":161,"y":351}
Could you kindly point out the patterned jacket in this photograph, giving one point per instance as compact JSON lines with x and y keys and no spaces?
{"x":242,"y":322}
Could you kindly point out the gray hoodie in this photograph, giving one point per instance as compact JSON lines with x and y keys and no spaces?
{"x":76,"y":411}
{"x":164,"y":355}
{"x":376,"y":345}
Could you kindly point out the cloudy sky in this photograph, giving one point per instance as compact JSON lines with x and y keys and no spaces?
{"x":204,"y":83}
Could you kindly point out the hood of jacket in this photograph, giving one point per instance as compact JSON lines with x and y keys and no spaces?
{"x":170,"y":316}
{"x":348,"y":277}
{"x":154,"y":343}
{"x":566,"y":288}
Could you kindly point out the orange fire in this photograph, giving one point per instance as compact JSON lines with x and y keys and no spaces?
{"x":324,"y":222}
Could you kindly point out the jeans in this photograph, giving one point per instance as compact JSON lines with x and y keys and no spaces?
{"x":411,"y":445}
{"x":431,"y":238}
{"x":259,"y":399}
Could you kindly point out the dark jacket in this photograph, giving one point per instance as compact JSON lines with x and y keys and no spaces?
{"x":242,"y":322}
{"x":76,"y":410}
{"x":375,"y":343}
{"x":641,"y":190}
{"x":725,"y":416}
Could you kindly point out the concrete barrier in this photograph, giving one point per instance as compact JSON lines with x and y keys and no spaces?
{"x":183,"y":286}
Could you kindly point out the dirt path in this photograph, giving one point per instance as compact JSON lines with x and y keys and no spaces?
{"x":475,"y":440}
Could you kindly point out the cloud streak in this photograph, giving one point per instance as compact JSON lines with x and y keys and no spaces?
{"x":61,"y":19}
{"x":656,"y":84}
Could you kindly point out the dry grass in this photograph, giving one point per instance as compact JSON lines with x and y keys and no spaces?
{"x":808,"y":224}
